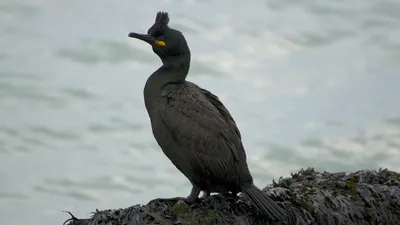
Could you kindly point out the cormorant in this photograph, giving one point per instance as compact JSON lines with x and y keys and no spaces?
{"x":192,"y":126}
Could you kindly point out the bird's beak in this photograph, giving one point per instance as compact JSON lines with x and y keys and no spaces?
{"x":144,"y":37}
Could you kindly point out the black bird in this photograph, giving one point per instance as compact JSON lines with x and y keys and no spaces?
{"x":193,"y":128}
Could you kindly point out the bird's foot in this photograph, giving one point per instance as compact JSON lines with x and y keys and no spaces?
{"x":205,"y":195}
{"x":192,"y":198}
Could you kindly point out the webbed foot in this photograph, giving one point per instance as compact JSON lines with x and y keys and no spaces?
{"x":192,"y":198}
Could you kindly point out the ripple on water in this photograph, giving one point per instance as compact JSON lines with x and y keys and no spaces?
{"x":281,"y":153}
{"x":18,"y":140}
{"x":3,"y":56}
{"x":123,"y":123}
{"x":10,"y":75}
{"x":314,"y":39}
{"x":79,"y":93}
{"x":333,"y":9}
{"x":376,"y":146}
{"x":189,"y":22}
{"x":203,"y":68}
{"x":388,"y":9}
{"x":360,"y":140}
{"x":29,"y":93}
{"x":32,"y":141}
{"x":54,"y":134}
{"x":395,"y":121}
{"x":18,"y":9}
{"x":76,"y":194}
{"x":101,"y":128}
{"x":394,"y":144}
{"x":22,"y":148}
{"x":332,"y":123}
{"x":140,"y":146}
{"x":4,"y":149}
{"x":334,"y":158}
{"x":151,"y":181}
{"x":93,"y":52}
{"x":12,"y":132}
{"x":104,"y":183}
{"x":378,"y":23}
{"x":314,"y":142}
{"x":190,"y":26}
{"x":132,"y":166}
{"x":185,"y":29}
{"x":114,"y":124}
{"x":13,"y":196}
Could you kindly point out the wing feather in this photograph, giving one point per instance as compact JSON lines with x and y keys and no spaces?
{"x":204,"y":129}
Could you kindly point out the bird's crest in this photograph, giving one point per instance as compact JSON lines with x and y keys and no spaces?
{"x":160,"y":25}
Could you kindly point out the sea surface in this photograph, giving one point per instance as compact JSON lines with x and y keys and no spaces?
{"x":310,"y":83}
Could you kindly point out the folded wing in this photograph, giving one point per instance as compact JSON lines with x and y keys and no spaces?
{"x":207,"y":134}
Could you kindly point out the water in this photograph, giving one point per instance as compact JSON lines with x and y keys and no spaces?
{"x":309,"y":83}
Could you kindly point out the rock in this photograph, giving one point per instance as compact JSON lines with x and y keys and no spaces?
{"x":309,"y":197}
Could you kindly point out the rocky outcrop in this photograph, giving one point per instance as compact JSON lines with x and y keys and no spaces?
{"x":309,"y":197}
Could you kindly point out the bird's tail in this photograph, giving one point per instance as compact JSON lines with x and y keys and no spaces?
{"x":264,"y":203}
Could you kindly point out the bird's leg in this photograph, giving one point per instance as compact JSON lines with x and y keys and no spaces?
{"x":193,"y":197}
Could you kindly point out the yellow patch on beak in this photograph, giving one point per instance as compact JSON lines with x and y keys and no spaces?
{"x":160,"y":43}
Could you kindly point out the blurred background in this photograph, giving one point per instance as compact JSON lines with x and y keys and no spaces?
{"x":310,"y":83}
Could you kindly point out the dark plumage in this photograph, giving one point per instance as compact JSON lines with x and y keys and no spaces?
{"x":193,"y":128}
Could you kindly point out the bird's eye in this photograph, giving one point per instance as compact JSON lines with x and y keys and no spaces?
{"x":160,"y":43}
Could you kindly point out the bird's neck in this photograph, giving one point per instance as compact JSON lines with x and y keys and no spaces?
{"x":176,"y":67}
{"x":173,"y":70}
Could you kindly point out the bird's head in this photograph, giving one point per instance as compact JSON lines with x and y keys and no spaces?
{"x":166,"y":42}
